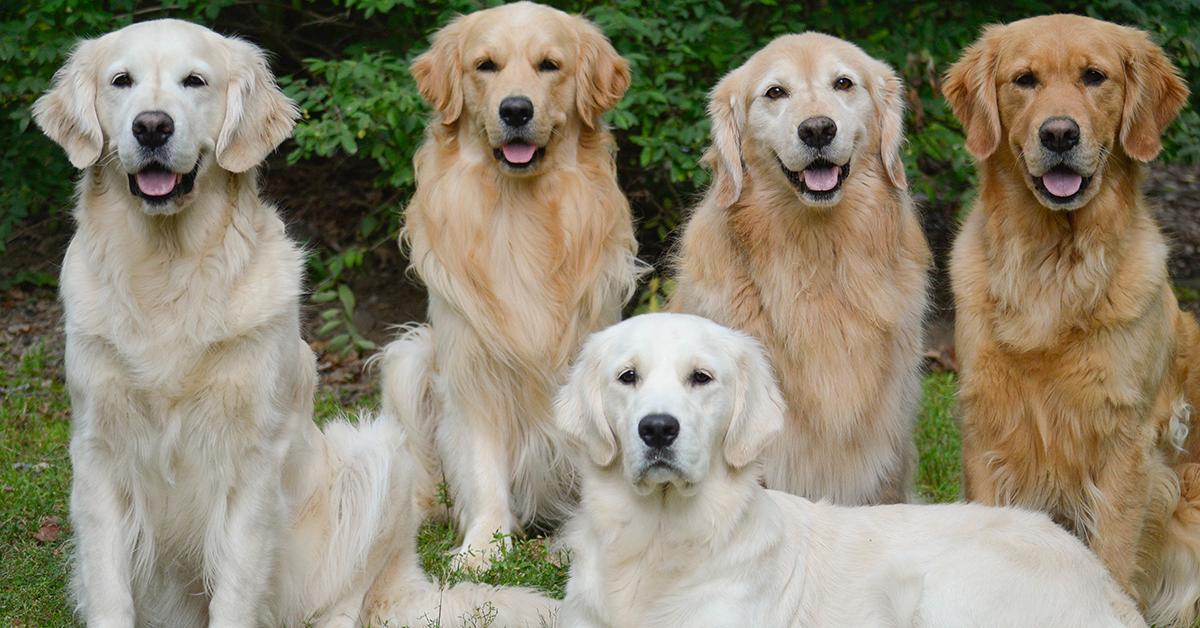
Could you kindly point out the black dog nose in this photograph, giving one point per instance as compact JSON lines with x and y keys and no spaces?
{"x":153,"y":128}
{"x":1059,"y":134}
{"x":516,"y":110}
{"x":658,"y":430}
{"x":817,"y":131}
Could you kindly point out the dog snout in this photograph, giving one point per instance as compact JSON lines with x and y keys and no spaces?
{"x":1059,"y":134}
{"x":658,"y":430}
{"x":516,"y":111}
{"x":817,"y":131}
{"x":153,"y":128}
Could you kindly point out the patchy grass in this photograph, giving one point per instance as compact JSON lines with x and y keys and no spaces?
{"x":34,"y":482}
{"x":939,"y":472}
{"x":35,"y":478}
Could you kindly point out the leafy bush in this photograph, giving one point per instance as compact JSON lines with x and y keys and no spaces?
{"x":346,"y":63}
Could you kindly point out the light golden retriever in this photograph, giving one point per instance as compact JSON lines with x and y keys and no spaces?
{"x":807,"y":240}
{"x":525,"y":241}
{"x":202,"y":492}
{"x":674,"y":530}
{"x":1078,"y":368}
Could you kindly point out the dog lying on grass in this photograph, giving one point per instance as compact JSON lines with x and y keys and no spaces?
{"x":672,"y":412}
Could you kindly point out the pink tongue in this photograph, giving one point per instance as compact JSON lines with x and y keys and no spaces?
{"x":156,"y":182}
{"x":519,"y":153}
{"x":821,"y":179}
{"x":1062,"y":184}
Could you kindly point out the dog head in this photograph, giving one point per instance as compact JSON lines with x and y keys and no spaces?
{"x":521,"y":77}
{"x":156,"y":99}
{"x":663,"y":398}
{"x":1064,"y":92}
{"x":806,"y":114}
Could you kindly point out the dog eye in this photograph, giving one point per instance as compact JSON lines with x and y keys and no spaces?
{"x":194,"y":80}
{"x":122,"y":79}
{"x":700,"y":378}
{"x":548,"y":65}
{"x":628,"y":377}
{"x":776,"y":92}
{"x":1092,"y":76}
{"x":842,"y":84}
{"x":1026,"y":79}
{"x":487,"y":65}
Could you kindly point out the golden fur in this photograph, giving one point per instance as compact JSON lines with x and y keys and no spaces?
{"x":1078,"y":374}
{"x":836,"y":293}
{"x":520,"y":265}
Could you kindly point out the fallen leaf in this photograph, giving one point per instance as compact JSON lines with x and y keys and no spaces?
{"x":48,"y":532}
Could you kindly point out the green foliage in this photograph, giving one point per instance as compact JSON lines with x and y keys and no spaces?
{"x":338,"y":299}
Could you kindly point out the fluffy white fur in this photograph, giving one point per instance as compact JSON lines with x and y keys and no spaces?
{"x":685,"y":536}
{"x":203,"y":494}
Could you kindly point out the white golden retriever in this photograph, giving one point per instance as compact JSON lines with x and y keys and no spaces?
{"x":525,"y":241}
{"x":672,"y":412}
{"x":203,"y":493}
{"x":808,"y":241}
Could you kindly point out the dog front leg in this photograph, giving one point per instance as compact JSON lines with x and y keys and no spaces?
{"x":475,"y":460}
{"x":1118,"y":515}
{"x":103,"y":587}
{"x":245,"y":559}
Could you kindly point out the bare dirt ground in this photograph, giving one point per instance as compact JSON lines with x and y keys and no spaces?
{"x":323,"y":204}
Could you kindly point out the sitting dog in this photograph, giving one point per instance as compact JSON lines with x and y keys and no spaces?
{"x":1079,"y":370}
{"x":525,"y":241}
{"x":672,"y":412}
{"x":808,"y":241}
{"x":203,"y":494}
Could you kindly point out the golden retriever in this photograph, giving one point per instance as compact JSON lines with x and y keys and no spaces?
{"x":808,"y":241}
{"x":1078,"y":368}
{"x":672,"y":412}
{"x":526,"y":244}
{"x":203,"y":494}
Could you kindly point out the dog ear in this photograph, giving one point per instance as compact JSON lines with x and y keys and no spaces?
{"x":757,"y":408}
{"x":724,"y":156}
{"x":1154,"y":94}
{"x":970,"y":86}
{"x":258,"y":116}
{"x":888,"y":94}
{"x":67,"y":112}
{"x":602,"y":75}
{"x":579,"y":407}
{"x":438,"y":71}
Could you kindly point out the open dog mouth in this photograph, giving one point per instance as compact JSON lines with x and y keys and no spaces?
{"x":158,"y":184}
{"x":519,"y":155}
{"x":820,"y":180}
{"x":1061,"y":184}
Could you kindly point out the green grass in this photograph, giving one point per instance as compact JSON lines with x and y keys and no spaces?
{"x":34,"y":428}
{"x":34,"y":480}
{"x":939,"y":472}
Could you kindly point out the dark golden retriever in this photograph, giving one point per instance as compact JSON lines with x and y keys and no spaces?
{"x":1078,"y":373}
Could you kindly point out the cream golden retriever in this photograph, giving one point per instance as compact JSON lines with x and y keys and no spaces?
{"x":672,"y":412}
{"x":203,"y":494}
{"x":525,"y":241}
{"x":1078,"y":368}
{"x":808,"y":241}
